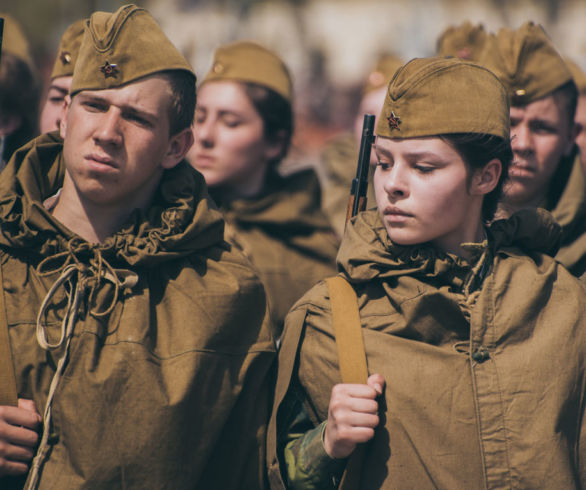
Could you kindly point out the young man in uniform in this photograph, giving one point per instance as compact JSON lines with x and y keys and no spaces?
{"x":135,"y":330}
{"x":546,"y":170}
{"x":61,"y":77}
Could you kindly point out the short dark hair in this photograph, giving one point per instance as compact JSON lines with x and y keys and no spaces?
{"x":477,"y":150}
{"x":566,"y":94}
{"x":182,"y":110}
{"x":276,"y":113}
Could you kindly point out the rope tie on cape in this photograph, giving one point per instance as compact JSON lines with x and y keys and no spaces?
{"x":76,"y":279}
{"x":471,"y":286}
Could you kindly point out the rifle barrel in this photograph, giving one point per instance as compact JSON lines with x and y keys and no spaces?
{"x":360,"y":182}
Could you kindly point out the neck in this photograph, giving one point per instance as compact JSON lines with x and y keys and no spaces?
{"x":92,"y":221}
{"x":247,"y":189}
{"x":474,"y":233}
{"x":508,"y":206}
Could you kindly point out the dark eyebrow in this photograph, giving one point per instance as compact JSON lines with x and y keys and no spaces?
{"x":59,"y":89}
{"x":424,"y":155}
{"x":127,"y":109}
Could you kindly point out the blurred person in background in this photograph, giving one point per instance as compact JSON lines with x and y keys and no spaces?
{"x":546,"y":170}
{"x":19,"y":91}
{"x":61,"y":77}
{"x":464,"y":41}
{"x":243,"y":128}
{"x":340,"y":156}
{"x":580,"y":80}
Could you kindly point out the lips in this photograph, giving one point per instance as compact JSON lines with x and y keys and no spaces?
{"x":521,"y":169}
{"x":393,"y":211}
{"x":396,"y":215}
{"x":100,"y":160}
{"x":204,"y":159}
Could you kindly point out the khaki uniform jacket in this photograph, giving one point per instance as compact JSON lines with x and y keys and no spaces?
{"x":166,"y":377}
{"x":569,"y":210}
{"x":286,"y":237}
{"x":485,"y":368}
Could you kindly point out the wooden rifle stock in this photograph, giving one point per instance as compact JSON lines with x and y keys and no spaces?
{"x":1,"y":35}
{"x":357,"y":200}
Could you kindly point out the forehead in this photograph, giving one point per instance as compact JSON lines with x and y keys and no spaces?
{"x":153,"y":93}
{"x":224,"y":95}
{"x":61,"y":83}
{"x":548,"y":107}
{"x":429,"y":145}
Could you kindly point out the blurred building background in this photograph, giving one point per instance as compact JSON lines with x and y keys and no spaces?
{"x":329,"y":45}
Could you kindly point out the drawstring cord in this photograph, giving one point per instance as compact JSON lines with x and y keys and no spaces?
{"x":67,"y":326}
{"x":76,"y":278}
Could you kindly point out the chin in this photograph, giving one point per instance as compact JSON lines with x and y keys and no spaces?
{"x":405,"y":239}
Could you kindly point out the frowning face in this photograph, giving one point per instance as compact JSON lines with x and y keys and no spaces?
{"x":117,"y":142}
{"x":424,"y":193}
{"x":541,"y":135}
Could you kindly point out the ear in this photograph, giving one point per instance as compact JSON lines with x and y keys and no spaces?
{"x":275,"y":149}
{"x":573,"y":134}
{"x":63,"y":123}
{"x":179,"y":145}
{"x":486,"y":179}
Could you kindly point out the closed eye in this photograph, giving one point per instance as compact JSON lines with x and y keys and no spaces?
{"x":384,"y":165}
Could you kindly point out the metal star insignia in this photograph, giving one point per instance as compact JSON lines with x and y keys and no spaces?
{"x":109,"y":70}
{"x":394,"y":121}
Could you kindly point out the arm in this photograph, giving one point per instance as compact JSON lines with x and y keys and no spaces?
{"x":18,"y":437}
{"x":315,"y":457}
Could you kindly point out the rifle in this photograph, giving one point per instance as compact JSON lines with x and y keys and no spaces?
{"x":357,"y":201}
{"x":1,"y":33}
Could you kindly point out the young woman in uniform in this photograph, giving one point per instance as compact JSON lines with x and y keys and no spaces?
{"x":243,"y":128}
{"x":474,"y":338}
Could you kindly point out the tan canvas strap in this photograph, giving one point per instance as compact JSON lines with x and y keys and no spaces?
{"x":348,"y":331}
{"x":8,"y":394}
{"x":351,"y":357}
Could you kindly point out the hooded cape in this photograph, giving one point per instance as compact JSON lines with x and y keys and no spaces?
{"x":567,"y":204}
{"x":484,"y":365}
{"x":166,"y":379}
{"x":286,"y":237}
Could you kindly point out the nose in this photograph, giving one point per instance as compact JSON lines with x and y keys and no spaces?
{"x":395,"y":184}
{"x":109,"y":130}
{"x":521,"y":140}
{"x":204,"y":132}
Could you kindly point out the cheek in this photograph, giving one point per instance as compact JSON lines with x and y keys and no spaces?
{"x":549,"y":151}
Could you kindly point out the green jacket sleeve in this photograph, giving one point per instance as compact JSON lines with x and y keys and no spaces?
{"x":306,"y":463}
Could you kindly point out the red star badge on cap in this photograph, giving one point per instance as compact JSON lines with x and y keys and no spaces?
{"x":394,"y":121}
{"x":109,"y":70}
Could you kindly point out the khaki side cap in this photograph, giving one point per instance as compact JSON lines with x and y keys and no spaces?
{"x":434,"y":96}
{"x":248,"y":61}
{"x":384,"y":70}
{"x":464,"y":41}
{"x":579,"y":76}
{"x":15,"y":42}
{"x":68,"y":50}
{"x":526,"y":61}
{"x":123,"y":47}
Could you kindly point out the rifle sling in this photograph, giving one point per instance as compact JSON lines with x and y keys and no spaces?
{"x":8,"y":394}
{"x":351,"y":357}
